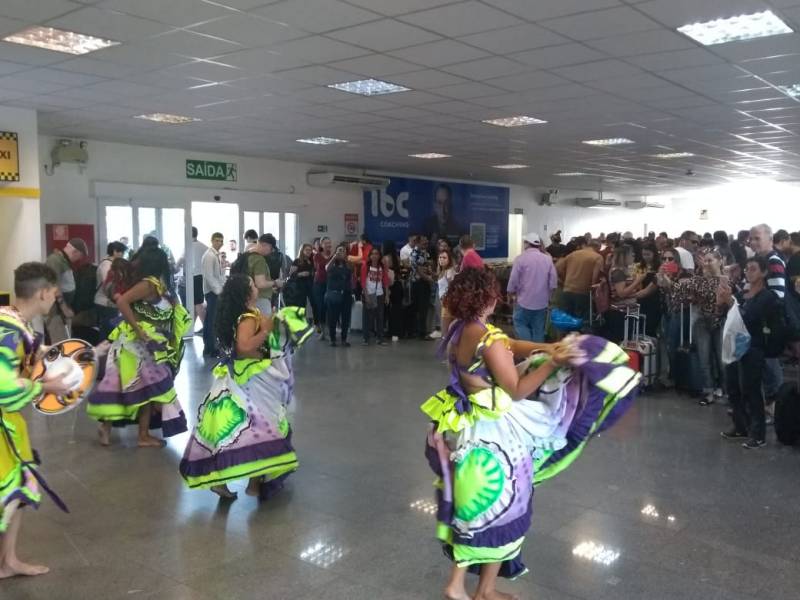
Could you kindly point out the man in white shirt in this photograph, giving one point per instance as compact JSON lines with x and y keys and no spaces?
{"x":198,"y":250}
{"x":405,"y":251}
{"x":686,"y":248}
{"x":213,"y":280}
{"x":104,"y":304}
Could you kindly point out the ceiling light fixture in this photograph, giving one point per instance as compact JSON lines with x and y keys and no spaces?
{"x":674,"y":155}
{"x":793,"y":91}
{"x":321,"y":141}
{"x":734,"y":29}
{"x":167,"y":118}
{"x":570,"y":174}
{"x":430,"y":155}
{"x":511,"y":166}
{"x":518,"y":121}
{"x":369,"y":87}
{"x":59,"y":40}
{"x":609,"y":142}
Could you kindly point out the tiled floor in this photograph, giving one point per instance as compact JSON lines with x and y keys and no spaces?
{"x":681,"y":514}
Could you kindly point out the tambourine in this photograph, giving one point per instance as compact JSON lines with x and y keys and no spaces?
{"x":76,"y":361}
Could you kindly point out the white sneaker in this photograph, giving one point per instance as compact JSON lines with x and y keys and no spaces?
{"x":395,"y":338}
{"x":435,"y":334}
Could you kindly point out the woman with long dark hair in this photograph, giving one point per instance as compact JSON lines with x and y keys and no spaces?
{"x":649,"y":296}
{"x":145,"y":353}
{"x":500,"y":427}
{"x":298,"y":286}
{"x":339,"y":295}
{"x":243,"y":424}
{"x":391,"y":262}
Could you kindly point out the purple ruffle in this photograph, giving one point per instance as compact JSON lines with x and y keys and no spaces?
{"x":238,"y":456}
{"x":497,"y":536}
{"x":134,"y":396}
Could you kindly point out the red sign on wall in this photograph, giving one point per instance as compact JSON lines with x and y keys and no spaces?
{"x":57,"y":236}
{"x":351,"y":225}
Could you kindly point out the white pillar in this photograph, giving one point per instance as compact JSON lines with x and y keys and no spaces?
{"x":20,"y":222}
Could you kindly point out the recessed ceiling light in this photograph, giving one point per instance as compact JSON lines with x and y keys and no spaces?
{"x":608,"y":142}
{"x":321,"y":141}
{"x":430,"y":155}
{"x":734,"y":29}
{"x":790,"y":90}
{"x":514,"y":121}
{"x":369,"y":87}
{"x":511,"y":166}
{"x":59,"y":40}
{"x":674,"y":155}
{"x":570,"y":174}
{"x":167,"y":118}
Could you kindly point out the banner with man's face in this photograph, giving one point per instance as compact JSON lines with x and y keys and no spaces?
{"x":439,"y":210}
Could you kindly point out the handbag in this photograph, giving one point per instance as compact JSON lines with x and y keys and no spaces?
{"x":735,"y":337}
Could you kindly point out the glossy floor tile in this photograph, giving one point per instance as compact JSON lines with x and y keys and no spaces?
{"x":658,"y":508}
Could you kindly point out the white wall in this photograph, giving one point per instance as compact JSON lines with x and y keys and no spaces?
{"x":19,"y":216}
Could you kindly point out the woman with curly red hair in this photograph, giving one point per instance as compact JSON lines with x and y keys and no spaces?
{"x":500,"y":426}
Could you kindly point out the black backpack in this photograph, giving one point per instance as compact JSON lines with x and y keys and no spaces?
{"x":791,"y":305}
{"x":776,"y":331}
{"x":85,"y":288}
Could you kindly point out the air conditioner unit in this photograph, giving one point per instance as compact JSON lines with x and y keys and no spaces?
{"x":327,"y":179}
{"x":637,"y":204}
{"x":597,"y":202}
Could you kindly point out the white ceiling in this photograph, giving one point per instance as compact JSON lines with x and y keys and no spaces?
{"x":255,"y":73}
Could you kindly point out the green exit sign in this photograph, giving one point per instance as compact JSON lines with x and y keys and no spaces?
{"x":207,"y":169}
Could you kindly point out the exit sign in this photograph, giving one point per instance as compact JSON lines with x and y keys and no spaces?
{"x":206,"y":169}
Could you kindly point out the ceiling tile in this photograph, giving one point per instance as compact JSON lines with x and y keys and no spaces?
{"x":186,"y":43}
{"x":674,"y":13}
{"x":200,"y":69}
{"x":384,"y":35}
{"x":467,"y":90}
{"x":8,"y":26}
{"x":439,"y":54}
{"x":180,"y":13}
{"x":36,"y":12}
{"x":63,"y":78}
{"x":318,"y":74}
{"x":558,"y":56}
{"x":601,"y":24}
{"x":271,"y":84}
{"x":91,"y":66}
{"x":642,"y":42}
{"x":108,"y":24}
{"x":414,"y":98}
{"x":6,"y":68}
{"x":461,"y":19}
{"x":248,"y":30}
{"x":526,"y":81}
{"x":27,"y":55}
{"x":514,"y":39}
{"x":258,"y":61}
{"x":316,"y":16}
{"x":674,"y":60}
{"x":375,"y":65}
{"x":427,"y":79}
{"x":759,"y":48}
{"x":486,"y":68}
{"x":546,"y":9}
{"x":142,"y":55}
{"x":602,"y":69}
{"x":318,"y":49}
{"x":393,"y":7}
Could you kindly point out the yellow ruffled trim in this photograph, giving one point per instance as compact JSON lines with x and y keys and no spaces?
{"x":489,"y":404}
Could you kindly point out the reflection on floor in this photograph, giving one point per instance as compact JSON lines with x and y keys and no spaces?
{"x":659,"y":508}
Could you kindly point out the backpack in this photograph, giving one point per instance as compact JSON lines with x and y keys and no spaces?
{"x":240,"y":265}
{"x":791,"y":307}
{"x":776,"y":331}
{"x":85,"y":288}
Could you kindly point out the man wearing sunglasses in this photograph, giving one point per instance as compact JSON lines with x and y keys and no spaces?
{"x":687,"y":247}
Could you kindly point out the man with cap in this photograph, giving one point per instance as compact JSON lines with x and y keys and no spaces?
{"x":533,"y":279}
{"x":63,"y":262}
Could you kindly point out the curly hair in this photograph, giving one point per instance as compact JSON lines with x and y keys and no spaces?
{"x":470,"y":293}
{"x":231,"y":305}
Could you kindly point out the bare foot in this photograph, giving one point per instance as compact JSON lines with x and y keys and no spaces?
{"x":104,"y":432}
{"x":223,"y":492}
{"x":151,"y":442}
{"x":495,"y":595}
{"x":253,"y":487}
{"x":456,"y":594}
{"x":17,"y":567}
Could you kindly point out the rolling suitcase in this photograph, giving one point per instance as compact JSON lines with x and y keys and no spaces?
{"x":685,"y":370}
{"x":648,"y":347}
{"x":630,"y":342}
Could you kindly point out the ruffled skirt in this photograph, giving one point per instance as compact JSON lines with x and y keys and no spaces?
{"x":17,"y":483}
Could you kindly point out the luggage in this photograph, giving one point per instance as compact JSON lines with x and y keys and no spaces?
{"x":685,"y":370}
{"x":649,"y":351}
{"x":787,"y":411}
{"x":640,"y":348}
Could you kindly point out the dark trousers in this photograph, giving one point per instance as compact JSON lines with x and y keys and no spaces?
{"x":106,"y":315}
{"x":396,"y":309}
{"x":337,"y":309}
{"x":744,"y":382}
{"x":318,"y":303}
{"x":372,"y":320}
{"x":575,"y":304}
{"x":421,"y":294}
{"x":209,"y":345}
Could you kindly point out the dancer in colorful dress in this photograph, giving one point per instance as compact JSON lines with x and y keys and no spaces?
{"x":35,"y":289}
{"x":145,"y":353}
{"x":500,"y":427}
{"x":243,"y":424}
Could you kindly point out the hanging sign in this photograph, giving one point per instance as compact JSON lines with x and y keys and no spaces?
{"x":351,"y":225}
{"x":207,"y":169}
{"x":9,"y":156}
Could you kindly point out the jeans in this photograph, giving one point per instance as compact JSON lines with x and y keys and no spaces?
{"x":337,"y":308}
{"x":709,"y":354}
{"x":318,"y":303}
{"x":746,"y":396}
{"x":373,"y":318}
{"x":772,"y":377}
{"x":575,"y":304}
{"x":209,"y":347}
{"x":529,"y":324}
{"x":421,"y":293}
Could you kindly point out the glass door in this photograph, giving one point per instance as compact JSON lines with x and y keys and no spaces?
{"x":283,"y":225}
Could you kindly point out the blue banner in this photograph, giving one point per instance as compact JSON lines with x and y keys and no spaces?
{"x":439,"y":210}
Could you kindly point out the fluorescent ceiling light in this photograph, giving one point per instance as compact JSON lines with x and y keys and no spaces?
{"x":59,"y":40}
{"x":609,"y":142}
{"x":734,"y":29}
{"x":430,"y":155}
{"x":790,"y":90}
{"x":369,"y":87}
{"x":321,"y":141}
{"x":673,"y":155}
{"x":510,"y":166}
{"x":518,"y":121}
{"x":167,"y":118}
{"x":570,"y":174}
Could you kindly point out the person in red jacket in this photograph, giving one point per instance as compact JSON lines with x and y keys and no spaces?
{"x":375,"y":293}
